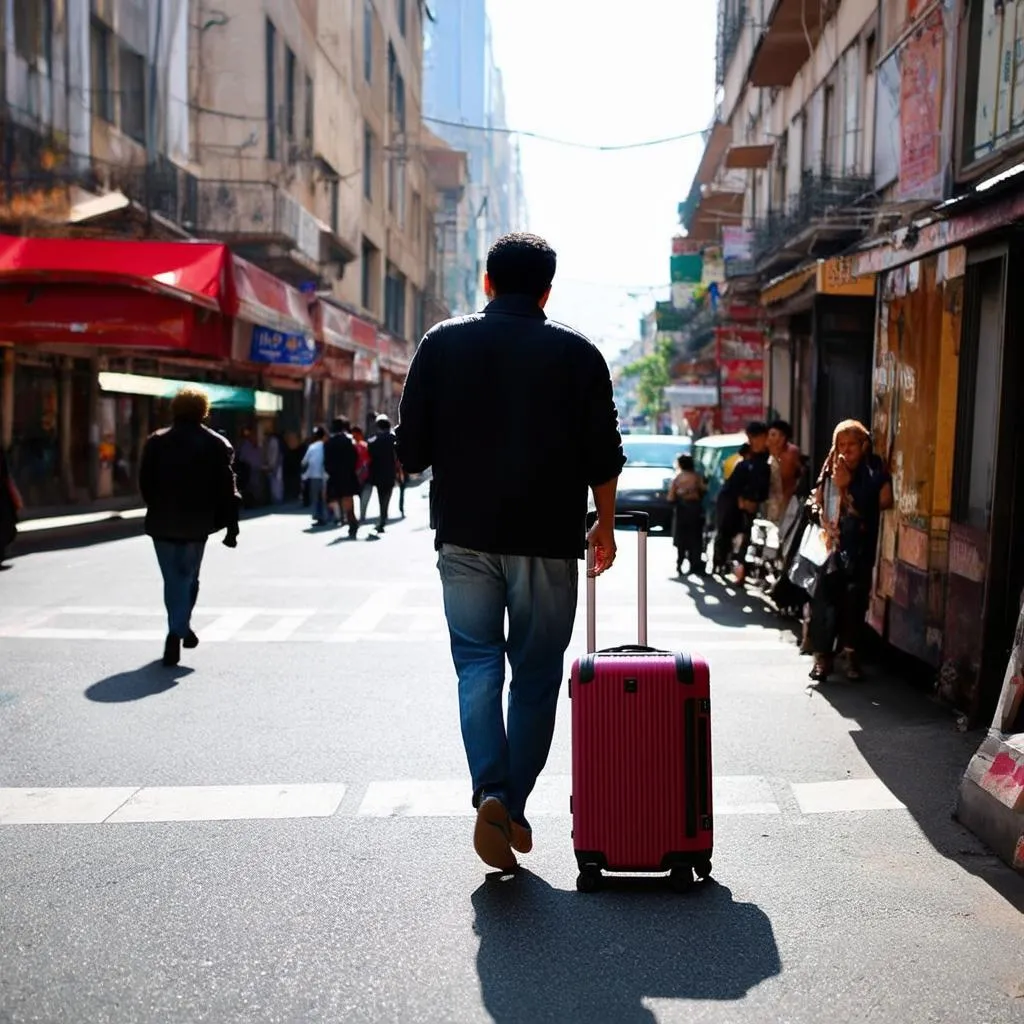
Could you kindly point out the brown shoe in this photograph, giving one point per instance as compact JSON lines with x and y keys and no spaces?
{"x":492,"y":837}
{"x":522,"y":838}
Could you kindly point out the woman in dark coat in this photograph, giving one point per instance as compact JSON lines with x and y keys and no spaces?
{"x":10,"y":506}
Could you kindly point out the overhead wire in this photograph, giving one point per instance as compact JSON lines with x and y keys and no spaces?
{"x":541,"y":137}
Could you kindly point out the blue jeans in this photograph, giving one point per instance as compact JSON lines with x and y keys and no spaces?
{"x":316,"y":497}
{"x":540,"y":597}
{"x":179,"y":566}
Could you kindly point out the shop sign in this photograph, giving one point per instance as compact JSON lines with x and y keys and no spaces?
{"x":836,"y":277}
{"x":914,"y":547}
{"x":281,"y":348}
{"x":942,"y":234}
{"x":684,"y":246}
{"x":365,"y":368}
{"x":692,"y":396}
{"x":687,"y":268}
{"x":966,"y":558}
{"x":737,"y":244}
{"x":921,"y":100}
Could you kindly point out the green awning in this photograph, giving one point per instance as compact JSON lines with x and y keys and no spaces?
{"x":222,"y":396}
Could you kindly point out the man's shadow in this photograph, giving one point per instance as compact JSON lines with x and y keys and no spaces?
{"x":550,"y":955}
{"x":136,"y":684}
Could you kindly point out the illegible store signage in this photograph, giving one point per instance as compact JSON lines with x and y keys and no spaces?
{"x":282,"y":349}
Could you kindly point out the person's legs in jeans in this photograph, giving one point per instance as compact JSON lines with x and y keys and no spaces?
{"x":180,"y":562}
{"x":384,"y":501}
{"x":474,"y":605}
{"x":541,"y":610}
{"x":316,"y":497}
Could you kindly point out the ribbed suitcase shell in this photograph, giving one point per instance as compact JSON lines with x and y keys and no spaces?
{"x":641,"y":761}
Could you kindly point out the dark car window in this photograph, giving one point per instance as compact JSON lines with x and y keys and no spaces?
{"x":653,"y":454}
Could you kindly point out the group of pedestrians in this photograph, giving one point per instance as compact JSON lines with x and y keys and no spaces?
{"x":340,"y":466}
{"x":828,"y":528}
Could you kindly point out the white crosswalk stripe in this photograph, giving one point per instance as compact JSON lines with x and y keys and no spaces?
{"x":382,"y":618}
{"x":734,"y":795}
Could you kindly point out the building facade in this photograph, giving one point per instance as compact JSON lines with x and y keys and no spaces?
{"x":465,"y":106}
{"x":285,"y":133}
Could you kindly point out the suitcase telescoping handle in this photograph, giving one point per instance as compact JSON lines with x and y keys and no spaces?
{"x":641,"y":522}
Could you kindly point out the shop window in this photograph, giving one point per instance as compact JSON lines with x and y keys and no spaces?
{"x":289,"y":92}
{"x":369,"y":155}
{"x":394,"y":301}
{"x":270,"y":55}
{"x":308,"y":108}
{"x":33,"y":31}
{"x":371,"y":275}
{"x":100,"y":58}
{"x":132,"y":89}
{"x":368,"y":41}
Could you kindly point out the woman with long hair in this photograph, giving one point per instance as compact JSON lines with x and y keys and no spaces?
{"x":854,"y":489}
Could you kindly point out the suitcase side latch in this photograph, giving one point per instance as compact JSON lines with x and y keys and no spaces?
{"x":629,"y":685}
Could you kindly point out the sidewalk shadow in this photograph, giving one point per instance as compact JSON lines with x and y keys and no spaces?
{"x":913,"y":745}
{"x":136,"y":684}
{"x":550,"y":955}
{"x":731,"y":606}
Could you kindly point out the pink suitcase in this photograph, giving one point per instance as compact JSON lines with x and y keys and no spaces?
{"x":641,"y":753}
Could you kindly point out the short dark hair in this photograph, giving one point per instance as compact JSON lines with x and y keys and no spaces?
{"x":318,"y":433}
{"x":521,"y":264}
{"x":783,"y":427}
{"x":383,"y":422}
{"x":686,"y":463}
{"x":757,"y":428}
{"x":340,"y":425}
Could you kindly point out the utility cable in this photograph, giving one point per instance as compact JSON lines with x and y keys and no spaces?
{"x":645,"y":144}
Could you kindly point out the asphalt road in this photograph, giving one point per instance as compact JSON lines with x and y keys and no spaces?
{"x":280,"y":829}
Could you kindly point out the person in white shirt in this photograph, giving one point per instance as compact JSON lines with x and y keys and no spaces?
{"x":313,"y":474}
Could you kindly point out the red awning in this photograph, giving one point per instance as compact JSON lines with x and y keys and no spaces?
{"x":187,"y":271}
{"x":156,"y":295}
{"x":261,"y":298}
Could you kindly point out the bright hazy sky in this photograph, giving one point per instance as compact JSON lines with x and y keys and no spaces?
{"x":604,"y":72}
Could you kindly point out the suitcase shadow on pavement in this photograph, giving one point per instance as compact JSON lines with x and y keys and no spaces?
{"x":147,"y":681}
{"x":549,"y":954}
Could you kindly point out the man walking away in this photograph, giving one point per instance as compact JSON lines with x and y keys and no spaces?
{"x":188,"y":484}
{"x":383,"y":467}
{"x":509,"y":498}
{"x":340,"y":467}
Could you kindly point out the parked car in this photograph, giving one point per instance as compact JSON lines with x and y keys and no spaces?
{"x":710,"y":455}
{"x":650,"y":466}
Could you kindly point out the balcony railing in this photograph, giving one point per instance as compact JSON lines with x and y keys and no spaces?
{"x":826,"y":208}
{"x":731,"y":23}
{"x":255,"y":212}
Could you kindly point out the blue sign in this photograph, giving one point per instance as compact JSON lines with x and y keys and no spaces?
{"x":282,"y":349}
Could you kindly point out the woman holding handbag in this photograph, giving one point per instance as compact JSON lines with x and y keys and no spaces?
{"x":854,"y":490}
{"x":10,"y":505}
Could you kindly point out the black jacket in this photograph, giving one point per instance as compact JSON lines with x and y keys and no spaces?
{"x":383,"y":463}
{"x":188,"y":483}
{"x":340,"y":465}
{"x":515,"y":414}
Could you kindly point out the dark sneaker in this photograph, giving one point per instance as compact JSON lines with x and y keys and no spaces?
{"x":172,"y":650}
{"x":522,"y":837}
{"x":492,"y":837}
{"x":191,"y":641}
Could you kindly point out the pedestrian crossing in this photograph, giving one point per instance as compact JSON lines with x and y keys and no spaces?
{"x":391,"y":614}
{"x":736,"y":795}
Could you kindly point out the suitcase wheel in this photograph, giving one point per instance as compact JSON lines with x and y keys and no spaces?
{"x":589,"y":879}
{"x":681,"y":879}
